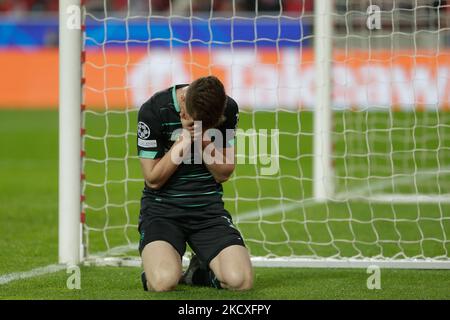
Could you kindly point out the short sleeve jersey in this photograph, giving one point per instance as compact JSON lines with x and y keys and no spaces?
{"x":159,"y":123}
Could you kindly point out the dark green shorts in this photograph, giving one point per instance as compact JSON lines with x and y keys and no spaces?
{"x":207,"y":231}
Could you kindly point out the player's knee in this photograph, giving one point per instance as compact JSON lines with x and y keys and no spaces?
{"x":238,"y":280}
{"x":163,"y":280}
{"x":248,"y":280}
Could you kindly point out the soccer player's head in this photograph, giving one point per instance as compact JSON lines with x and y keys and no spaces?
{"x":205,"y":101}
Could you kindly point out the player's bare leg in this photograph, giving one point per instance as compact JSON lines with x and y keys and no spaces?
{"x":162,"y":266}
{"x":233,"y":268}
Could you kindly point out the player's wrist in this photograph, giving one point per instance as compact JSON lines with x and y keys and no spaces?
{"x":180,"y":148}
{"x":206,"y":139}
{"x":205,"y":143}
{"x":184,"y":139}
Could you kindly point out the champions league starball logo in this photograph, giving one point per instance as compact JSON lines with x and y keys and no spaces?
{"x":143,"y":130}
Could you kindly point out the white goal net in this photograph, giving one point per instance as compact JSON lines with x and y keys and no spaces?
{"x":381,"y":142}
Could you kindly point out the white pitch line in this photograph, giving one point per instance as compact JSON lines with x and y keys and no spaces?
{"x":365,"y":189}
{"x":52,"y":268}
{"x":117,"y":250}
{"x":268,"y":211}
{"x":354,"y":193}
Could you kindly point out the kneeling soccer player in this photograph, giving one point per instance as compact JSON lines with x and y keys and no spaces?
{"x":182,"y":199}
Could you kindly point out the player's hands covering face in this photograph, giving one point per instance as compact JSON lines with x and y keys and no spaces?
{"x":187,"y":122}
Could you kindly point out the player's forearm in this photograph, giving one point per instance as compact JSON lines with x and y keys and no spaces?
{"x":221,"y":172}
{"x":162,"y":171}
{"x":219,"y":163}
{"x":168,"y":164}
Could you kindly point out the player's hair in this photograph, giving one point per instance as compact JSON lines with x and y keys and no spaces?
{"x":205,"y":101}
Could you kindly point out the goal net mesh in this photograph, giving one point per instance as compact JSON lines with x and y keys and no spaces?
{"x":390,"y":126}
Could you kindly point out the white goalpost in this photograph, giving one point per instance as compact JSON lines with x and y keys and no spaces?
{"x":323,"y":171}
{"x":359,"y":96}
{"x":323,"y":167}
{"x":70,"y":99}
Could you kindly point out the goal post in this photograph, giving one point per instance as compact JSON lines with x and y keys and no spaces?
{"x":70,"y":44}
{"x":323,"y":172}
{"x":362,"y":117}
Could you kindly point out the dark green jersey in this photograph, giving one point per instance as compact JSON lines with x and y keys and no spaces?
{"x":191,"y":185}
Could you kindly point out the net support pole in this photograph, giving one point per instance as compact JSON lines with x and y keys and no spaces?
{"x":69,"y":131}
{"x":323,"y":171}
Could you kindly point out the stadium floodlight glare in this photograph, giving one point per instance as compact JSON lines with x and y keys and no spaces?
{"x":360,"y":107}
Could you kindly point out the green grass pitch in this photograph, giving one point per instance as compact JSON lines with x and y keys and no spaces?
{"x":28,"y":206}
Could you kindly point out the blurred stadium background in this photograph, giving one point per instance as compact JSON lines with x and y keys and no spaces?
{"x":30,"y":29}
{"x":391,"y":132}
